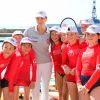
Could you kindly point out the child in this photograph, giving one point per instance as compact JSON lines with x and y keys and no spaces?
{"x":8,"y":48}
{"x":69,"y":59}
{"x":23,"y":74}
{"x":57,"y":60}
{"x":18,"y":35}
{"x":84,"y":25}
{"x":88,"y":66}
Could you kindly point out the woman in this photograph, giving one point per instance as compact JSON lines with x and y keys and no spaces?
{"x":88,"y":66}
{"x":40,"y":38}
{"x":69,"y":59}
{"x":57,"y":60}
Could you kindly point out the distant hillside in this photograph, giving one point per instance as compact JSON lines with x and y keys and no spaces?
{"x":4,"y":30}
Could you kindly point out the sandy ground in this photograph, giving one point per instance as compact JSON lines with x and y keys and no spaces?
{"x":53,"y":94}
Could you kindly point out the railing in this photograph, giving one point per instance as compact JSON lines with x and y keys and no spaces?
{"x":2,"y":35}
{"x":5,"y":34}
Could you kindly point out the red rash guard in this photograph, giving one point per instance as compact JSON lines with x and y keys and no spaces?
{"x":88,"y":59}
{"x":69,"y":58}
{"x":63,"y":45}
{"x":4,"y":62}
{"x":83,"y":45}
{"x":18,"y":72}
{"x":24,"y":73}
{"x":93,"y":79}
{"x":57,"y":58}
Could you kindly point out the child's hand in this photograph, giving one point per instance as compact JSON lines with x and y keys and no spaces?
{"x":72,"y":72}
{"x":32,"y":85}
{"x":84,"y":90}
{"x":79,"y":86}
{"x":67,"y":70}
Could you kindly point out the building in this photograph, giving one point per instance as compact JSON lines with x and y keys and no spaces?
{"x":94,"y":15}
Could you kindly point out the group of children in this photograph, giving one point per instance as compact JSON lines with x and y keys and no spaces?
{"x":25,"y":59}
{"x":76,"y":60}
{"x":17,"y":58}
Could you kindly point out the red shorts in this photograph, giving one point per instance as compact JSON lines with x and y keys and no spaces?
{"x":71,"y":78}
{"x":22,"y":83}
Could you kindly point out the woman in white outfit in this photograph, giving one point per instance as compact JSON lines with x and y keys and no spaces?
{"x":40,"y":37}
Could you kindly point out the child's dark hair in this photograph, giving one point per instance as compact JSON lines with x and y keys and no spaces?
{"x":52,"y":43}
{"x":98,"y":39}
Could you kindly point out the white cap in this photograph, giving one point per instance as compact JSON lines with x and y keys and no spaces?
{"x":17,"y":32}
{"x":26,"y":40}
{"x":87,"y":21}
{"x":10,"y":40}
{"x":63,"y":30}
{"x":93,"y":29}
{"x":41,"y":14}
{"x":69,"y":28}
{"x":55,"y":28}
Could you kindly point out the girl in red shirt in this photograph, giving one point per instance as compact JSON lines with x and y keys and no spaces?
{"x":88,"y":66}
{"x":18,"y":35}
{"x":8,"y":48}
{"x":69,"y":59}
{"x":57,"y":60}
{"x":84,"y":24}
{"x":24,"y":72}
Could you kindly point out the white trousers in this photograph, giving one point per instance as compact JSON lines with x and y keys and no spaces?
{"x":43,"y":75}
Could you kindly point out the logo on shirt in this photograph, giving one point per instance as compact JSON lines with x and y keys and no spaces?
{"x":73,"y":52}
{"x":88,"y":53}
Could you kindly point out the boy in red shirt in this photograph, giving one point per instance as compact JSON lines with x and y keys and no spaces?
{"x":26,"y":71}
{"x":6,"y":55}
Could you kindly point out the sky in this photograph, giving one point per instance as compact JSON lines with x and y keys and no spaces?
{"x":21,"y":13}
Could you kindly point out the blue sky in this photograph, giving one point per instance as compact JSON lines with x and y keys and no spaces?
{"x":20,"y":13}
